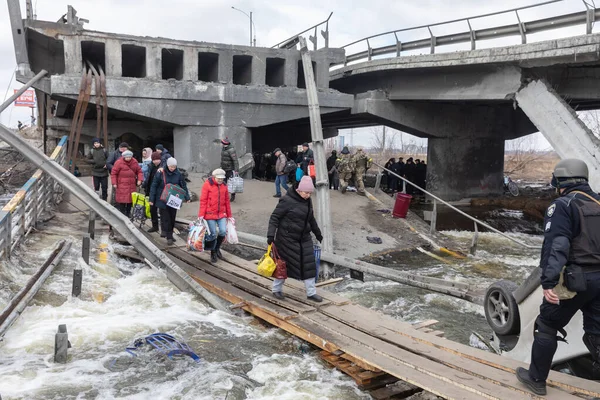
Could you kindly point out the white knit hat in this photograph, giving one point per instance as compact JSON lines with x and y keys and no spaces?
{"x":171,"y":161}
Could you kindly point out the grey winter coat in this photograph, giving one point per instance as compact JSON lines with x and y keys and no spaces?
{"x":290,"y":224}
{"x":280,"y":164}
{"x":229,"y":160}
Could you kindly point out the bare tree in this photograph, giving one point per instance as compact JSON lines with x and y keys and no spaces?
{"x":592,"y":120}
{"x":383,"y":140}
{"x":521,"y":153}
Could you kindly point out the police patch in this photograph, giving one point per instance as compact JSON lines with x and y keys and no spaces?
{"x":548,"y":225}
{"x":551,"y":210}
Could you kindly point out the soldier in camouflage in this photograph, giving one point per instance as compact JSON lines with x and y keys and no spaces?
{"x":345,"y":167}
{"x":361,"y":164}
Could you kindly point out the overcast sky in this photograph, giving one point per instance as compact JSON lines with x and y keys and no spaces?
{"x":216,"y":21}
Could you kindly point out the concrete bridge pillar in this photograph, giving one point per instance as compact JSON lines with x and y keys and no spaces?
{"x":465,"y":167}
{"x":153,"y":62}
{"x":561,"y":126}
{"x":198,"y":148}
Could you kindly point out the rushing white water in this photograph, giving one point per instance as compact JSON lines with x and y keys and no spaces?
{"x":120,"y":302}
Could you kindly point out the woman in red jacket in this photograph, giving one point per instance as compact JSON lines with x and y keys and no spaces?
{"x":126,"y":175}
{"x":215,"y":208}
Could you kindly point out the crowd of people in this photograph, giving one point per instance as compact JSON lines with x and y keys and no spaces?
{"x":413,"y":170}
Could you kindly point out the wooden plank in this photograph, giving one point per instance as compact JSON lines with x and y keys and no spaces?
{"x":425,"y":324}
{"x":475,"y":384}
{"x":437,"y":333}
{"x":400,"y":370}
{"x":290,"y":293}
{"x":328,"y":282}
{"x":368,"y":324}
{"x":252,"y":289}
{"x":240,"y":262}
{"x":232,"y":294}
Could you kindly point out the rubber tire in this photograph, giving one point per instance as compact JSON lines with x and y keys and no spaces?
{"x":513,"y":189}
{"x":501,"y":292}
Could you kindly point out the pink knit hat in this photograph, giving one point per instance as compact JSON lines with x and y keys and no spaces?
{"x":306,"y":185}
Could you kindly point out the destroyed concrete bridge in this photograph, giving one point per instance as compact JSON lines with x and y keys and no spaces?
{"x":192,"y":94}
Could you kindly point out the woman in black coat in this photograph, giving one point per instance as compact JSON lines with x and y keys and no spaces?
{"x":290,"y":226}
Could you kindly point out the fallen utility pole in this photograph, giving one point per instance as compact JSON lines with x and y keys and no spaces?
{"x":18,"y":303}
{"x":455,"y":289}
{"x":323,"y":213}
{"x":111,"y":215}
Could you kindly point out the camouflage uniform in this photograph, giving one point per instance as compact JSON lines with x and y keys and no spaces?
{"x":345,"y":167}
{"x":360,"y":162}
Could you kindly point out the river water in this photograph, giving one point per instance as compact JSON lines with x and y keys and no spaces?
{"x":241,"y":358}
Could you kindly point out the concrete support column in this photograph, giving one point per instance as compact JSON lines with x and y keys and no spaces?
{"x":198,"y":148}
{"x":465,"y":167}
{"x":322,"y":75}
{"x":225,"y":68}
{"x":259,"y":70}
{"x":114,"y":58}
{"x":561,"y":126}
{"x":73,"y":56}
{"x":153,"y":62}
{"x":190,"y":64}
{"x":290,"y":77}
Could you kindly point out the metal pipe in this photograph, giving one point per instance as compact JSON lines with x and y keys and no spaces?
{"x":459,"y":211}
{"x":19,"y":92}
{"x":304,"y":31}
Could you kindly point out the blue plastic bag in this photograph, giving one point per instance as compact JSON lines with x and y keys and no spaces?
{"x":299,"y":174}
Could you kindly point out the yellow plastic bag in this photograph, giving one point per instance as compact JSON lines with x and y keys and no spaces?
{"x":140,"y":199}
{"x":266,"y":265}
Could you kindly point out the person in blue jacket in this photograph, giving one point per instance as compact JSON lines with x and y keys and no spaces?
{"x":168,"y":214}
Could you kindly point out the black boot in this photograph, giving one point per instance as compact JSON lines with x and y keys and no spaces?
{"x":232,"y":198}
{"x":153,"y":229}
{"x":220,"y":240}
{"x":536,"y":387}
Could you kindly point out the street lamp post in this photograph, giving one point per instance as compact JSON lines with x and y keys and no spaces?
{"x":251,"y":24}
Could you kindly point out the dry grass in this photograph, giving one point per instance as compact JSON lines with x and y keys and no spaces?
{"x":538,"y":169}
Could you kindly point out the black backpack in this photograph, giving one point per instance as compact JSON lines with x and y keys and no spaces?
{"x":290,"y":166}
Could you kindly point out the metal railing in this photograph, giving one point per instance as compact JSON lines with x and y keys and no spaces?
{"x":293,"y":40}
{"x":476,"y":222}
{"x":520,"y":28}
{"x":20,"y":215}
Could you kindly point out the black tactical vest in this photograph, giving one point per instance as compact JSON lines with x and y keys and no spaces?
{"x":585,"y":248}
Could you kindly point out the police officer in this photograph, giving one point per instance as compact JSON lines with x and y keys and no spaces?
{"x":572,"y":236}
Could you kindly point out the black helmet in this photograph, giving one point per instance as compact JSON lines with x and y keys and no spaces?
{"x":345,"y":150}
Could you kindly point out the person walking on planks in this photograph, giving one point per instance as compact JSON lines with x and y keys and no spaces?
{"x":97,"y":158}
{"x":571,"y":239}
{"x":168,"y":206}
{"x":126,"y":175}
{"x":290,"y":226}
{"x":229,"y":161}
{"x":215,"y":208}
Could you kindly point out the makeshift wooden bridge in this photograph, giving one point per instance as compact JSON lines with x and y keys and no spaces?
{"x":372,"y":348}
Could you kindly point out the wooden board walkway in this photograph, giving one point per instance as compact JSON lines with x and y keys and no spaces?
{"x":364,"y":341}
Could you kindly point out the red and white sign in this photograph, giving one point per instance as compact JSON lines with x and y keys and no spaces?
{"x":27,"y":99}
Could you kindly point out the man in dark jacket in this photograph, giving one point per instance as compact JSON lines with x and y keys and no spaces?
{"x":330,"y":165}
{"x":305,"y":158}
{"x":154,"y":166}
{"x":115,"y":155}
{"x":229,"y":161}
{"x":168,"y":214}
{"x":572,"y":239}
{"x":409,"y":173}
{"x":97,"y":157}
{"x":290,"y":226}
{"x":164,"y":155}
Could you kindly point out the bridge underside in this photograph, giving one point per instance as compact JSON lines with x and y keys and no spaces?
{"x":468,"y":111}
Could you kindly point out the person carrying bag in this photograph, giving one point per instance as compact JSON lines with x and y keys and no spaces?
{"x":290,"y":226}
{"x":167,"y":193}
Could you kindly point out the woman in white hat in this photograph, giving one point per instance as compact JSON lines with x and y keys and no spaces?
{"x":215,"y":208}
